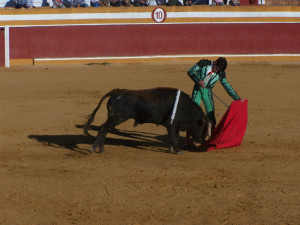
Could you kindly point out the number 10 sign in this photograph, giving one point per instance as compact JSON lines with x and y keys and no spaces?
{"x":159,"y":15}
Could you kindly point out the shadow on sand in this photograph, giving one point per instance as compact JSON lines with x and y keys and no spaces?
{"x":129,"y":138}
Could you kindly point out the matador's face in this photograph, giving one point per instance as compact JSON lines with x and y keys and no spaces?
{"x":215,"y":68}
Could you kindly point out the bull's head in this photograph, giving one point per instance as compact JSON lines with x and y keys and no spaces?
{"x":199,"y":131}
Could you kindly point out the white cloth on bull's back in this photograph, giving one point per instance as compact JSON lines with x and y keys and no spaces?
{"x":175,"y":106}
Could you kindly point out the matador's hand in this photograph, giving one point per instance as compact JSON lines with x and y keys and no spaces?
{"x":202,"y":84}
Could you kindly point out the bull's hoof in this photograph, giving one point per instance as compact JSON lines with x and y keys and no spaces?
{"x":179,"y":153}
{"x":92,"y":150}
{"x":171,"y":150}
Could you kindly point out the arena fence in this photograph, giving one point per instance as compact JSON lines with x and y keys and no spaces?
{"x":148,"y":34}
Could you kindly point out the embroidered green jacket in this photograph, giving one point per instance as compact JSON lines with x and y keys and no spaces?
{"x":201,"y":71}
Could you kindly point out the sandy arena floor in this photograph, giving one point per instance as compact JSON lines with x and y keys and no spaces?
{"x":48,"y":176}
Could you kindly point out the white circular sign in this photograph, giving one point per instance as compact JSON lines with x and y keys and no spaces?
{"x":159,"y":15}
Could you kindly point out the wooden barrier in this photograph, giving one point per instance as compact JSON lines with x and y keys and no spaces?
{"x":151,"y":34}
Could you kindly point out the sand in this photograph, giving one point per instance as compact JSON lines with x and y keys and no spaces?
{"x":49,"y":177}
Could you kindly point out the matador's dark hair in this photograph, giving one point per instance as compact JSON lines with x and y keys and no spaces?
{"x":221,"y":63}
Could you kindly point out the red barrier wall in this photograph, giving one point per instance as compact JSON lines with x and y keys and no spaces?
{"x":153,"y":39}
{"x":2,"y":53}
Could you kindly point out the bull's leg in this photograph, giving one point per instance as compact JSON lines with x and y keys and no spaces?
{"x":101,"y":137}
{"x":172,"y":133}
{"x":104,"y":129}
{"x":187,"y":139}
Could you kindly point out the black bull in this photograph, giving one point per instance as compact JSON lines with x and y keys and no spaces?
{"x":151,"y":106}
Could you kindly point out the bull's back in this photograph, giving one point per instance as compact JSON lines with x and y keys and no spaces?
{"x":156,"y":95}
{"x":152,"y":105}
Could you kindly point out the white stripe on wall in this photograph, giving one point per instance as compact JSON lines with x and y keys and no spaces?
{"x":231,"y":14}
{"x":167,"y":56}
{"x":75,"y":16}
{"x":83,"y":16}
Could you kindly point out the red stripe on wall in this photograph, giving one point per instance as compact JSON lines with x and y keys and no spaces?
{"x":157,"y":39}
{"x":2,"y":47}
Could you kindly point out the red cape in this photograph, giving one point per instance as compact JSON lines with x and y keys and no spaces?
{"x":232,"y":127}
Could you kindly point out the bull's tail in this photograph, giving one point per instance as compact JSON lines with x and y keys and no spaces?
{"x":92,"y":116}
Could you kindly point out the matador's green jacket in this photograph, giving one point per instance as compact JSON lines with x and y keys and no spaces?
{"x":201,"y":71}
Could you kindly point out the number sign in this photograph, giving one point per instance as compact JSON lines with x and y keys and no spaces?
{"x":159,"y":15}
